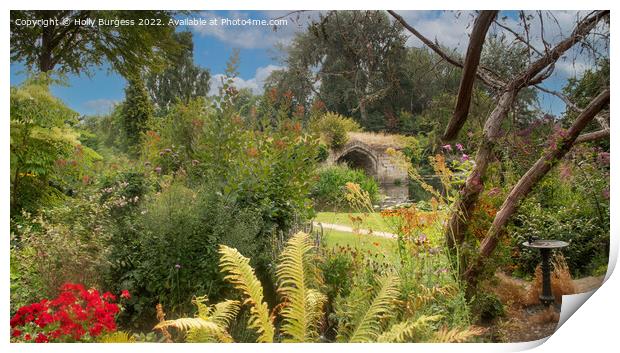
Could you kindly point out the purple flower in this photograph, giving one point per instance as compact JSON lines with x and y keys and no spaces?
{"x":447,"y":147}
{"x":422,"y":238}
{"x":606,"y":193}
{"x":464,"y":157}
{"x":157,"y":170}
{"x":177,"y":266}
{"x":459,"y":147}
{"x":603,"y":158}
{"x":147,"y":163}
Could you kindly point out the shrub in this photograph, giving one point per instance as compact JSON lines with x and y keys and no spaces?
{"x":43,"y":142}
{"x":333,"y":129}
{"x":65,"y":244}
{"x":330,"y":190}
{"x":570,"y":205}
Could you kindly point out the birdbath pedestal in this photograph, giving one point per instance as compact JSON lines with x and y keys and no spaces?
{"x":545,"y":247}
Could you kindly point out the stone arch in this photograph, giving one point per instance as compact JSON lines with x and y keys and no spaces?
{"x":359,"y":156}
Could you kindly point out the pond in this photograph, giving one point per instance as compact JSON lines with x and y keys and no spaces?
{"x":395,"y":193}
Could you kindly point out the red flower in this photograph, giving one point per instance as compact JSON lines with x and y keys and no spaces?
{"x":125,"y":294}
{"x":27,"y":337}
{"x":108,"y":296}
{"x":41,"y":338}
{"x":16,"y":333}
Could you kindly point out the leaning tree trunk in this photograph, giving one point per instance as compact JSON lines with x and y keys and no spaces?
{"x":533,"y":74}
{"x":527,"y":182}
{"x":457,"y":225}
{"x":470,"y":67}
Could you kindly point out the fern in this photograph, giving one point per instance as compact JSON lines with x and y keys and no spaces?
{"x":242,"y":276}
{"x":456,"y":335}
{"x":368,"y":327}
{"x":116,"y":337}
{"x":405,"y":331}
{"x":208,"y":331}
{"x":303,"y":305}
{"x":224,"y":313}
{"x":211,"y":323}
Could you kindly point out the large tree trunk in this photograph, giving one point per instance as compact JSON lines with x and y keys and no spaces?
{"x":457,"y":225}
{"x":461,"y":216}
{"x":45,"y":57}
{"x":470,"y":67}
{"x":527,"y":182}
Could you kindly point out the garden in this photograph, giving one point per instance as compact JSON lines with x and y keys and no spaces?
{"x":198,"y":210}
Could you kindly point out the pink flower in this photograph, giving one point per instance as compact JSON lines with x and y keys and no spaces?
{"x":459,"y":147}
{"x":464,"y":157}
{"x":447,"y":147}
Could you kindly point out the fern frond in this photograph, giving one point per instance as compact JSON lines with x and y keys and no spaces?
{"x":198,"y":329}
{"x":369,"y":327}
{"x":404,"y":331}
{"x":456,"y":335}
{"x":224,"y":313}
{"x":303,"y":305}
{"x":242,"y":276}
{"x":188,"y":323}
{"x":116,"y":337}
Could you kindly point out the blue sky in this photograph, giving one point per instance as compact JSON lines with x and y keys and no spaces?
{"x":213,"y":45}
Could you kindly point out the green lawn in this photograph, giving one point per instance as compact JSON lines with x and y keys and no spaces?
{"x":372,"y":243}
{"x":372,"y":221}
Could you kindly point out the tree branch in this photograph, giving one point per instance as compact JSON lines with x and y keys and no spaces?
{"x":551,"y":56}
{"x":485,"y":77}
{"x":592,"y":136}
{"x":519,"y":37}
{"x":470,"y":67}
{"x":525,"y":185}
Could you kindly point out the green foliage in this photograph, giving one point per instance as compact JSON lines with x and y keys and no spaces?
{"x":68,"y":244}
{"x":43,"y":142}
{"x":569,"y":204}
{"x":487,"y":307}
{"x":303,"y":309}
{"x":333,"y":129}
{"x":136,"y":111}
{"x":242,"y":276}
{"x":182,"y":81}
{"x":210,"y":323}
{"x":367,"y":326}
{"x":330,"y":190}
{"x":359,"y":55}
{"x":76,"y":48}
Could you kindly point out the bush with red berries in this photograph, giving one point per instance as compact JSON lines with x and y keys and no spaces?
{"x":77,"y":314}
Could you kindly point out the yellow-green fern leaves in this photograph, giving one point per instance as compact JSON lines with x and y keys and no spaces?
{"x":303,"y":305}
{"x":242,"y":276}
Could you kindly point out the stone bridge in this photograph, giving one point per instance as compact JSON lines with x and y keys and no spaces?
{"x":371,"y":158}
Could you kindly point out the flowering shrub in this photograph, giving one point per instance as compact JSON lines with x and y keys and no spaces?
{"x":77,"y":314}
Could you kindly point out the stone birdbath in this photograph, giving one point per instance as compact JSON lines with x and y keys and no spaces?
{"x":545,"y":247}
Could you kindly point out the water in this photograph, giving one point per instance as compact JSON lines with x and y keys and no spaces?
{"x":394,"y":194}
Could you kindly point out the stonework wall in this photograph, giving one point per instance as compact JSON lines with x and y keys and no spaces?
{"x":382,"y":166}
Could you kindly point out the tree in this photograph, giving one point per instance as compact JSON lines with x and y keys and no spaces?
{"x":76,"y":47}
{"x":356,"y":56}
{"x":136,"y":111}
{"x":508,"y":90}
{"x":182,"y":81}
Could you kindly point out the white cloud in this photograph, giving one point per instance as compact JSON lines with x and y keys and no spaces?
{"x":99,"y":106}
{"x":251,"y":37}
{"x":255,"y":83}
